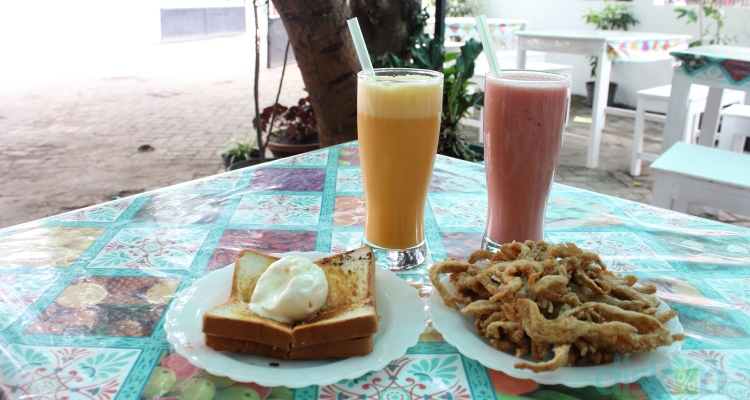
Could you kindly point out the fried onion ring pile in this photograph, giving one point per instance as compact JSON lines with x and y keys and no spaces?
{"x":533,"y":297}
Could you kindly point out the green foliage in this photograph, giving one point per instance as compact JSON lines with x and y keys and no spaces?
{"x":456,"y":98}
{"x":429,"y":53}
{"x":461,"y":8}
{"x":612,"y":17}
{"x":241,"y":149}
{"x":707,"y":11}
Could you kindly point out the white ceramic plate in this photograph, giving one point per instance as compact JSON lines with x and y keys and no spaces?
{"x":401,"y":321}
{"x":458,"y":329}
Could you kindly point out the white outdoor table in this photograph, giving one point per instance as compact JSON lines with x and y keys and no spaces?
{"x":609,"y":46}
{"x":718,"y":67}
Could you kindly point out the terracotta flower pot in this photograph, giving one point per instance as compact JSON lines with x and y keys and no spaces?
{"x":281,"y":150}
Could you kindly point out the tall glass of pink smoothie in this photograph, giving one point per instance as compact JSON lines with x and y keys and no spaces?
{"x":524,"y":119}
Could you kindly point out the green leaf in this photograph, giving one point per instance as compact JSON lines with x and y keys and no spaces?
{"x":448,"y":361}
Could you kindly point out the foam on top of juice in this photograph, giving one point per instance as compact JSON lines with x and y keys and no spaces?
{"x":405,"y":96}
{"x":532,"y":79}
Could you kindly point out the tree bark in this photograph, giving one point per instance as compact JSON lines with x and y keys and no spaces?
{"x":386,"y":24}
{"x":328,"y":62}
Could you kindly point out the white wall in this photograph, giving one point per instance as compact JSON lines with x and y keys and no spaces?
{"x":631,"y":77}
{"x":51,"y":40}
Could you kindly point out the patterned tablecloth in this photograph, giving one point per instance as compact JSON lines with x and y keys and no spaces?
{"x":83,"y":294}
{"x":629,"y":46}
{"x":728,"y":65}
{"x":501,"y":30}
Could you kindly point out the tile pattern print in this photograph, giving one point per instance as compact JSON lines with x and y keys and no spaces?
{"x":277,"y":210}
{"x":620,"y":251}
{"x":349,"y":211}
{"x":455,"y":211}
{"x":265,"y":241}
{"x":349,"y":180}
{"x":18,"y":292}
{"x":288,"y":179}
{"x":107,"y":306}
{"x":46,"y":246}
{"x":105,"y":277}
{"x":181,"y":208}
{"x":410,"y":377}
{"x":316,"y":158}
{"x":143,"y":248}
{"x":108,"y":212}
{"x":723,"y":373}
{"x":64,"y":372}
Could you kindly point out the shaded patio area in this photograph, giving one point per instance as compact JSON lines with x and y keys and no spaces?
{"x":86,"y":132}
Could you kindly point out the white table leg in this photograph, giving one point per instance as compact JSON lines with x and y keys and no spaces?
{"x":601,"y":91}
{"x":635,"y":159}
{"x":710,"y":117}
{"x":677,"y":111}
{"x":521,"y":58}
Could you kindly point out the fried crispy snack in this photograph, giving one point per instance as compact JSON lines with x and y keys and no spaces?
{"x":535,"y":296}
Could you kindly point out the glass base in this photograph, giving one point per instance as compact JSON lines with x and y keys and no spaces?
{"x":399,"y":259}
{"x":488,"y":244}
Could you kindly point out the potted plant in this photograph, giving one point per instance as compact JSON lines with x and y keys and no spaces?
{"x":240,"y":153}
{"x":293,"y":130}
{"x":614,"y":16}
{"x":702,"y":15}
{"x":457,"y":101}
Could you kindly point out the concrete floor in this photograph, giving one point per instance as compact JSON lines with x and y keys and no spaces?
{"x":70,"y":136}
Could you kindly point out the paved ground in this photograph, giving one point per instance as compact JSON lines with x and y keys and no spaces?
{"x":70,"y":136}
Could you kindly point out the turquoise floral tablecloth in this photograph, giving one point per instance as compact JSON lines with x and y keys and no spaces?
{"x":83,"y":294}
{"x":729,"y":65}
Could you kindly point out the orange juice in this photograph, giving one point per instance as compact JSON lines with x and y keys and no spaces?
{"x":398,"y":124}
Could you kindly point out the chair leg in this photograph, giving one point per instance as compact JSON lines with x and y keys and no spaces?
{"x":635,"y":159}
{"x":695,"y":128}
{"x":726,"y":135}
{"x":738,"y":143}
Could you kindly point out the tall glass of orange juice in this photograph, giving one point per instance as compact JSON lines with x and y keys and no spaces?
{"x":398,"y":124}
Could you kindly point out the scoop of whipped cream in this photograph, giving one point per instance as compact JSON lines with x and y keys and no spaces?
{"x":292,"y":289}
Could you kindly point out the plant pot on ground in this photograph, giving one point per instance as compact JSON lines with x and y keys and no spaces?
{"x":246,"y":163}
{"x":591,"y":85}
{"x":294,"y":130}
{"x":240,"y":150}
{"x":613,"y":16}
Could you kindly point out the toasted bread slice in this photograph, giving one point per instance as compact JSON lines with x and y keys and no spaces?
{"x":245,"y":346}
{"x":341,"y":349}
{"x":348,"y":313}
{"x":234,"y":319}
{"x":349,"y":310}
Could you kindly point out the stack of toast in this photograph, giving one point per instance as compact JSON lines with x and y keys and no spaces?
{"x":343,"y":327}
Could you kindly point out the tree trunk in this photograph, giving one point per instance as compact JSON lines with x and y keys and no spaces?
{"x":386,"y":24}
{"x":328,"y":62}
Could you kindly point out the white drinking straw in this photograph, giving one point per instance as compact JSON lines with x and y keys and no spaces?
{"x":484,"y":34}
{"x":359,"y":45}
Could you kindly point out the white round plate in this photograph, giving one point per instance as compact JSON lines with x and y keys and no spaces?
{"x":459,"y":330}
{"x":401,"y":320}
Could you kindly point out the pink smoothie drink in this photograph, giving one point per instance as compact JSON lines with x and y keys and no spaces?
{"x":524,"y":119}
